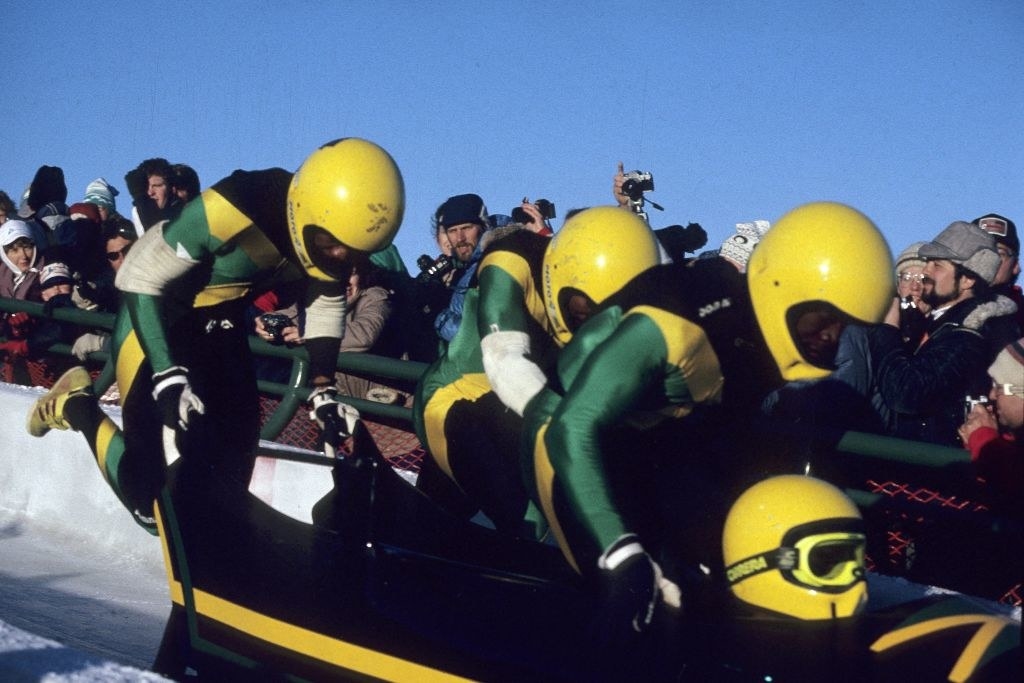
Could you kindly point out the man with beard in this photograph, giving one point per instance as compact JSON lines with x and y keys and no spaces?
{"x":925,"y":388}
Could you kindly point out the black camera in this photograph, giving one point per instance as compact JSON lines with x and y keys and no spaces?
{"x":434,"y":269}
{"x":546,"y":208}
{"x":636,"y":183}
{"x":275,"y":324}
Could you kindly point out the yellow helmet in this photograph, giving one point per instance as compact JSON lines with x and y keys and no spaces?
{"x":594,"y":254}
{"x":795,"y":545}
{"x":818,"y":256}
{"x":350,"y":189}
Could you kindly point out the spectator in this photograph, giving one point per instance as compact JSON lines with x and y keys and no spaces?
{"x":185,"y":184}
{"x":464,"y":220}
{"x":75,"y":241}
{"x":925,"y":388}
{"x":995,"y":437}
{"x":1008,"y":246}
{"x":101,"y":194}
{"x":21,"y":262}
{"x":55,"y":285}
{"x":370,"y":327}
{"x":7,"y":208}
{"x":96,"y":290}
{"x":910,"y":286}
{"x":43,"y":205}
{"x":151,"y":185}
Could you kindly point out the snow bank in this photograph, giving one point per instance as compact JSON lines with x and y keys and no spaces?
{"x":54,"y":482}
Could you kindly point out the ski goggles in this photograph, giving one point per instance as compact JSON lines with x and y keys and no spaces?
{"x":830,"y":561}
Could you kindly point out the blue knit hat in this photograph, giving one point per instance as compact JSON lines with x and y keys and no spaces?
{"x":101,"y":193}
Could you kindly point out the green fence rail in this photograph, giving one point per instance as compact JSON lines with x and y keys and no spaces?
{"x":292,"y":395}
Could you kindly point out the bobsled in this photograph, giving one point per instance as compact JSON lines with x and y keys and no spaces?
{"x":340,"y":569}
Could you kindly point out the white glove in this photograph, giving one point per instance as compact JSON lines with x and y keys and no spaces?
{"x":89,"y":342}
{"x":173,"y":393}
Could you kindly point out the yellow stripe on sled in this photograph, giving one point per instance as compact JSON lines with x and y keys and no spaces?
{"x":315,"y":645}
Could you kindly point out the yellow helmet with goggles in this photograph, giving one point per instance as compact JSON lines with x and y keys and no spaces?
{"x":349,"y":191}
{"x":823,"y":258}
{"x":795,"y":545}
{"x":591,"y":257}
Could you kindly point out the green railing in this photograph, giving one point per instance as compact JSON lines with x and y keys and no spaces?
{"x":291,"y":395}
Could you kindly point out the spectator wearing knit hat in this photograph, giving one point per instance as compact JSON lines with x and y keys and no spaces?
{"x":464,"y":220}
{"x":994,"y":434}
{"x":1008,"y":246}
{"x":925,"y":388}
{"x":34,"y":339}
{"x":101,"y":194}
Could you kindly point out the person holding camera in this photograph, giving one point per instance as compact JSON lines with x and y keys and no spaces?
{"x":993,"y":431}
{"x":925,"y":387}
{"x":181,"y":342}
{"x":463,"y":219}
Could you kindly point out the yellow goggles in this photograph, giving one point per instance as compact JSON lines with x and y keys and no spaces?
{"x":830,"y":561}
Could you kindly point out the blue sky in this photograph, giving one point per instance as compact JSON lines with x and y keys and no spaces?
{"x":911,"y":111}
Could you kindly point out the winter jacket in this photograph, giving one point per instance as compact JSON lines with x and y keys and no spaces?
{"x":925,"y":389}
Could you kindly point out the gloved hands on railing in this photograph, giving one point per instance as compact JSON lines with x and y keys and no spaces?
{"x":337,"y":420}
{"x":173,"y":393}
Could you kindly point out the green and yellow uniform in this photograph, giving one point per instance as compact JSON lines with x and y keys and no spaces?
{"x":676,"y":337}
{"x":469,"y":433}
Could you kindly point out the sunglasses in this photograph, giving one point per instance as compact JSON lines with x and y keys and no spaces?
{"x":120,"y":253}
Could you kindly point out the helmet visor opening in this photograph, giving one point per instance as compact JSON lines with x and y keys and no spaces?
{"x":815,"y":327}
{"x":329,"y":254}
{"x":576,"y":307}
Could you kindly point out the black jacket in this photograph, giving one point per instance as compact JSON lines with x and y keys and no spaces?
{"x":926,"y":388}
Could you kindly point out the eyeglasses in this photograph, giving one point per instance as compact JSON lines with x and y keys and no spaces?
{"x":1008,"y":389}
{"x":911,"y":277}
{"x":120,"y":253}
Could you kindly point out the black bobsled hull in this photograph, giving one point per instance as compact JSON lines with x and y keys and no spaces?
{"x":384,"y":586}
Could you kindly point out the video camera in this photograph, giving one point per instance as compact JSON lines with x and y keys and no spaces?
{"x":434,"y":269}
{"x":546,"y":208}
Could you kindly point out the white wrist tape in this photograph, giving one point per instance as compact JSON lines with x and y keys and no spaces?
{"x":514,"y":378}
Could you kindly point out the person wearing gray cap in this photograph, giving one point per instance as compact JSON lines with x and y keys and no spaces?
{"x":968,"y":325}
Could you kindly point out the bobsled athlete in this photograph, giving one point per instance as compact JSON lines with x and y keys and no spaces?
{"x":469,"y":403}
{"x":676,"y":339}
{"x":181,"y":339}
{"x":799,"y":605}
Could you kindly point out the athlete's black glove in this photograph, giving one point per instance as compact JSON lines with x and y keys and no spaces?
{"x":631,"y":586}
{"x":336,"y":420}
{"x":173,"y":394}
